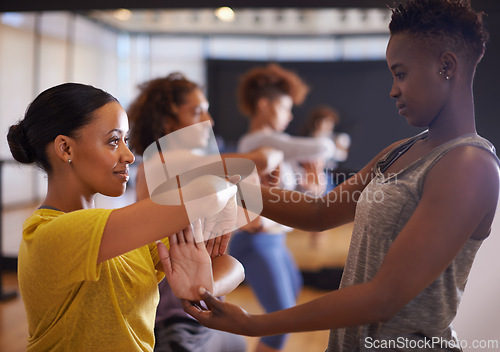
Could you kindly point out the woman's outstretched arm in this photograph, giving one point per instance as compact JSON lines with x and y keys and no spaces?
{"x":145,"y":222}
{"x":303,"y":212}
{"x":447,"y":216}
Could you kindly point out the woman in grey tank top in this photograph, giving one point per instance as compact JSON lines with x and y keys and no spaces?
{"x":421,"y":208}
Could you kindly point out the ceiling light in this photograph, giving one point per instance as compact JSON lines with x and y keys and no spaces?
{"x":122,"y":14}
{"x":225,"y":14}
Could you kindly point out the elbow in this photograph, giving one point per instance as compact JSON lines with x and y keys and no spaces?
{"x":237,"y":269}
{"x":385,"y":314}
{"x":240,"y":273}
{"x":391,"y":305}
{"x":388,"y":310}
{"x":228,"y":276}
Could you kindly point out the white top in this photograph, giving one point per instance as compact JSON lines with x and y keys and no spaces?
{"x":295,"y":150}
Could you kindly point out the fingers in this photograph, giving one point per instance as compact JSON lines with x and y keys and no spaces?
{"x":188,"y":234}
{"x":164,"y":255}
{"x":194,"y":306}
{"x":181,"y":237}
{"x":210,"y":247}
{"x":174,"y":239}
{"x":198,"y":232}
{"x":224,"y":243}
{"x":218,"y":245}
{"x":216,"y":249}
{"x":194,"y":309}
{"x":162,"y":250}
{"x":211,"y":302}
{"x":202,"y":314}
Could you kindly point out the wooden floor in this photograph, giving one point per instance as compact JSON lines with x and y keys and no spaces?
{"x":13,"y":326}
{"x":330,"y":250}
{"x":297,"y":342}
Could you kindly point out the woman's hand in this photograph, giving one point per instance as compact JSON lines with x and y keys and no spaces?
{"x":207,"y":195}
{"x":187,"y":264}
{"x":266,"y":159}
{"x":217,"y":246}
{"x":217,"y":228}
{"x":220,"y":315}
{"x":314,"y":180}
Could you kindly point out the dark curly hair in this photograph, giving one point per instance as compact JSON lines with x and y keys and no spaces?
{"x":448,"y":24}
{"x":316,"y":116}
{"x":155,"y":104}
{"x":62,"y":109}
{"x":270,"y":81}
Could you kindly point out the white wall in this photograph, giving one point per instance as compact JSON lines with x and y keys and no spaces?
{"x":478,"y":317}
{"x":38,"y":51}
{"x":16,"y":75}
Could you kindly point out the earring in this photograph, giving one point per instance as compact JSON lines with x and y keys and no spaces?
{"x":69,"y":161}
{"x":446,"y":76}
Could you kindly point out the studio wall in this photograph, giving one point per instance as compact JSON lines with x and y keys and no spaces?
{"x":359,"y":90}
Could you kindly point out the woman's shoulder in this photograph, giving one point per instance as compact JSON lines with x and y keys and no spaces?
{"x":55,"y":217}
{"x":40,"y":216}
{"x":475,"y":140}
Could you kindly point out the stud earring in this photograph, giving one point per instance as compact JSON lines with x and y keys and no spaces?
{"x":446,"y":76}
{"x":69,"y":161}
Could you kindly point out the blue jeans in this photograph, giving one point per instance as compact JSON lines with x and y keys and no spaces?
{"x":271,"y":272}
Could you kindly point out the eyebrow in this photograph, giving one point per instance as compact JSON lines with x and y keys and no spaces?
{"x":395,"y":66}
{"x":116,"y":130}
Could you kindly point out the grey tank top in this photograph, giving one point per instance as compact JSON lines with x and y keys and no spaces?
{"x":383,"y":209}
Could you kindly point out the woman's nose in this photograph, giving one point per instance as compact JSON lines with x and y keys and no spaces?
{"x":127,"y":155}
{"x":208,"y":117}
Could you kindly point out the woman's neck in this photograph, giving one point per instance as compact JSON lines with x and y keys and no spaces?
{"x":456,"y":119}
{"x":62,"y":196}
{"x":259,"y":125}
{"x":451,"y":126}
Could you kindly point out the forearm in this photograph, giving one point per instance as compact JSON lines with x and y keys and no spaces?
{"x":139,"y":224}
{"x":307,"y":213}
{"x":258,"y":159}
{"x":228,"y":274}
{"x":351,"y":306}
{"x":291,"y":208}
{"x":265,"y":159}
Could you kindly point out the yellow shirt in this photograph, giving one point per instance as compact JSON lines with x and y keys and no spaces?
{"x":73,"y":303}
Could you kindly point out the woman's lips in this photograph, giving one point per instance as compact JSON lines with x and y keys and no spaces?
{"x":401,"y":108}
{"x":123,"y":175}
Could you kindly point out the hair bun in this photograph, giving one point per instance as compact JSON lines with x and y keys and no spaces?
{"x":19,"y":145}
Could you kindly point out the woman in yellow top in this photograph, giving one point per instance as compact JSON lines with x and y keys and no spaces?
{"x":88,"y":277}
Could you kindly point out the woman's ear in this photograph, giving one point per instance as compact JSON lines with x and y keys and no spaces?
{"x":263,"y":104}
{"x":63,"y":148}
{"x":449,"y":64}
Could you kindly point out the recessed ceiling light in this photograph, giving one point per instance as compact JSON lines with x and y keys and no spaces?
{"x":225,"y":14}
{"x":122,"y":14}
